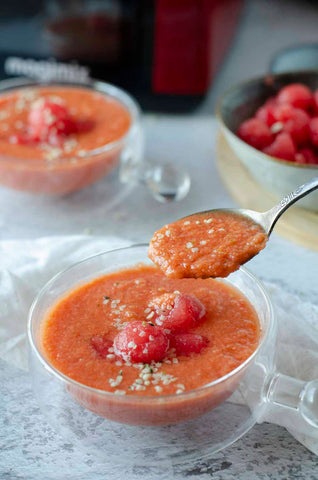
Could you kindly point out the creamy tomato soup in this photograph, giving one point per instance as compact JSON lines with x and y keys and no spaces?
{"x":206,"y":245}
{"x":136,"y":332}
{"x":48,"y":134}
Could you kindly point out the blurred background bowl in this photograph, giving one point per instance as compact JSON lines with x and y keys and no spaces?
{"x":240,"y":103}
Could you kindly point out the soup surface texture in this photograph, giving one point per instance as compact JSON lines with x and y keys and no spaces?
{"x":202,"y":330}
{"x":212,"y":244}
{"x":58,"y":122}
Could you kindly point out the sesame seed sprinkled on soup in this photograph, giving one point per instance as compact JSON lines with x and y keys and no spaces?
{"x":59,"y":139}
{"x":138,"y":332}
{"x":206,"y":245}
{"x":58,"y":122}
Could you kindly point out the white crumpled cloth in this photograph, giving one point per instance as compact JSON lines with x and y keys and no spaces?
{"x":26,"y":265}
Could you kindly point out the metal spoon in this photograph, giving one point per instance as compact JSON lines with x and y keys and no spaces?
{"x":186,"y":266}
{"x":268,"y":219}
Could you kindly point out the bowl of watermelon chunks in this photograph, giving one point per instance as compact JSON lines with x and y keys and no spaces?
{"x":271,"y":124}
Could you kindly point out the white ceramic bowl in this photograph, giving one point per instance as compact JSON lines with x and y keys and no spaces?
{"x":239,"y":103}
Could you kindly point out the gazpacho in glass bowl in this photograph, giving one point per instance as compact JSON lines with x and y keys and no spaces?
{"x":186,"y":364}
{"x":57,"y":138}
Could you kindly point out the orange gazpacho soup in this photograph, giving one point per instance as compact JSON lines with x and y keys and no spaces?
{"x":48,"y":136}
{"x":211,"y":244}
{"x":137,"y":332}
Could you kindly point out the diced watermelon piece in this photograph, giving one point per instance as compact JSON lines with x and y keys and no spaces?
{"x":306,"y":156}
{"x":295,"y":122}
{"x":313,"y":127}
{"x":297,"y":95}
{"x":101,"y":344}
{"x":141,"y":342}
{"x":256,"y":133}
{"x":188,"y":343}
{"x":177,"y":312}
{"x":266,"y":114}
{"x":282,"y":147}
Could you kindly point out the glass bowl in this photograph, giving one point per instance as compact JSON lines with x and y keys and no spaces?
{"x":170,"y":428}
{"x":65,"y":175}
{"x":240,"y":103}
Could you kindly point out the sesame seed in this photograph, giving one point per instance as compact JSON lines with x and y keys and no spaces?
{"x":186,"y":223}
{"x":175,"y":360}
{"x":189,"y":245}
{"x":167,"y":233}
{"x":151,"y":338}
{"x":118,"y":363}
{"x":146,"y":382}
{"x":277,"y":127}
{"x":194,"y":250}
{"x":147,"y":310}
{"x":160,"y":236}
{"x":111,"y":349}
{"x":110,"y":356}
{"x":140,"y":387}
{"x":179,"y":391}
{"x":211,"y":231}
{"x":203,"y":242}
{"x":158,"y":388}
{"x":209,"y":220}
{"x":138,"y":381}
{"x":197,"y":222}
{"x":150,"y":315}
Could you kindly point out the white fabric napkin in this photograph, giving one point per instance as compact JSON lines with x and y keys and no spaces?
{"x":25,"y":266}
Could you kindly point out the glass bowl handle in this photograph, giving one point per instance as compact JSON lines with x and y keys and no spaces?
{"x":292,"y":403}
{"x":165,"y":181}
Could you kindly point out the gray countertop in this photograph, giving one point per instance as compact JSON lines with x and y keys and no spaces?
{"x":30,"y":450}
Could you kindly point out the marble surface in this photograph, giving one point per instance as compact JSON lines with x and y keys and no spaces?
{"x":30,"y":450}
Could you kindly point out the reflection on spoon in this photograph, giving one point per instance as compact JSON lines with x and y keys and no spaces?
{"x":216,"y":242}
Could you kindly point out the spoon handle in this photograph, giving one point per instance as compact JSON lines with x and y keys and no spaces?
{"x":274,"y":213}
